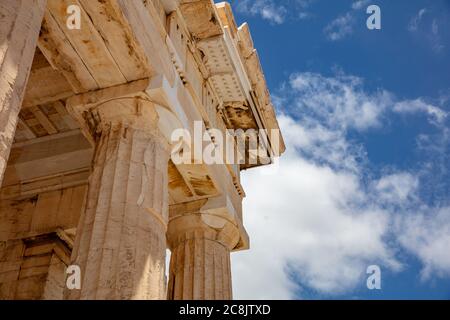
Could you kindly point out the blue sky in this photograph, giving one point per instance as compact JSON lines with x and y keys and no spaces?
{"x":365,"y":180}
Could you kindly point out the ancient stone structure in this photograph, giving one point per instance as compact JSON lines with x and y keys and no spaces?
{"x":91,"y":93}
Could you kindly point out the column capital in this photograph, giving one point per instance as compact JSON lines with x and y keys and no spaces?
{"x":150,"y":102}
{"x":125,"y":105}
{"x":205,"y":226}
{"x":135,"y":112}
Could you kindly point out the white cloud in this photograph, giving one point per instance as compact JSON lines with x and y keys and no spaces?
{"x":416,"y":20}
{"x":304,"y":3}
{"x":340,"y":27}
{"x":396,"y":188}
{"x":427,"y":29}
{"x":329,"y":106}
{"x":435,"y":37}
{"x":339,"y":101}
{"x":306,"y":219}
{"x":427,"y":235}
{"x":318,"y":223}
{"x":434,"y":27}
{"x":267,"y":9}
{"x":304,"y":15}
{"x":359,"y":4}
{"x":435,"y":114}
{"x":275,"y":12}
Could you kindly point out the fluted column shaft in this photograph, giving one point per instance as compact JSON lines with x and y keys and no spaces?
{"x":200,"y":261}
{"x":19,"y":30}
{"x":121,"y":244}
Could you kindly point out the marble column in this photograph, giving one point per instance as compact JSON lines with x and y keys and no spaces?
{"x":121,"y":237}
{"x":20,"y":23}
{"x":200,"y":262}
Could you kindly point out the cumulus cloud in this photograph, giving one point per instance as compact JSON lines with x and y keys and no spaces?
{"x":339,"y":101}
{"x":396,"y":188}
{"x":309,"y":221}
{"x":319,"y":221}
{"x":427,"y":235}
{"x":327,"y":109}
